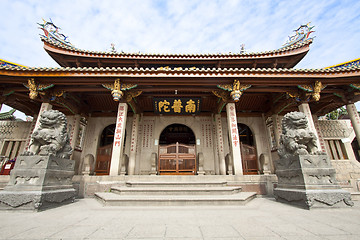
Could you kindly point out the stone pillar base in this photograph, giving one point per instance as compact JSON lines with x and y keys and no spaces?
{"x":39,"y":182}
{"x":35,"y":200}
{"x":309,"y":181}
{"x":314,"y":198}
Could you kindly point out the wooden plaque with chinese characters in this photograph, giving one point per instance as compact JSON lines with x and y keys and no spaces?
{"x":177,"y":106}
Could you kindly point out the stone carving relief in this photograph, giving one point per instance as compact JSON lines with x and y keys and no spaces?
{"x":51,"y":137}
{"x":26,"y":180}
{"x":296,"y":138}
{"x":334,"y":129}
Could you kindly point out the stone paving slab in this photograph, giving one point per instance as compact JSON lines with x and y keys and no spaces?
{"x":262,"y":218}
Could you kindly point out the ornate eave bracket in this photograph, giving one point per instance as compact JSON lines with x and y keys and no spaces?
{"x":236,"y":89}
{"x":117,"y":89}
{"x":36,"y":89}
{"x":315,"y":89}
{"x":298,"y":96}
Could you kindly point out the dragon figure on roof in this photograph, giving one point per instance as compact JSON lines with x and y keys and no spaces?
{"x":302,"y":34}
{"x":51,"y":32}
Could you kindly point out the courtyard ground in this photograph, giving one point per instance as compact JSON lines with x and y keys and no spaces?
{"x":262,"y":218}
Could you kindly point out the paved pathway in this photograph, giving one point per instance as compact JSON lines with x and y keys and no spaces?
{"x":260,"y":219}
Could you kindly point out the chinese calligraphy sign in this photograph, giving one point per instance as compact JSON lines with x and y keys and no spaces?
{"x":177,"y":105}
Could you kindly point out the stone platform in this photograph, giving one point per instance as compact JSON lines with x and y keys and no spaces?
{"x":309,"y":181}
{"x":39,"y":182}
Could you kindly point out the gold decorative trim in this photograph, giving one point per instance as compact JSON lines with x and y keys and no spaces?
{"x":132,"y":94}
{"x":117,"y":88}
{"x":36,"y":89}
{"x":236,"y":89}
{"x":222,"y":94}
{"x":315,"y":89}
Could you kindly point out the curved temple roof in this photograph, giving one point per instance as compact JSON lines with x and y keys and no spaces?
{"x":64,"y":53}
{"x":273,"y":86}
{"x":66,"y":56}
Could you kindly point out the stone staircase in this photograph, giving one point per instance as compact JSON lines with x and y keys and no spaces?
{"x":174,"y":193}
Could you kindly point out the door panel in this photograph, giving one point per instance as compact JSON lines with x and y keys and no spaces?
{"x":177,"y":159}
{"x":249,"y":159}
{"x":103,"y":160}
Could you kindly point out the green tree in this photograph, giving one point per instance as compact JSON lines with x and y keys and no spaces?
{"x":335,"y":115}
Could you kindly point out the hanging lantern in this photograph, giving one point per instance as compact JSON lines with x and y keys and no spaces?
{"x":117,"y":94}
{"x":117,"y":88}
{"x":235,"y":95}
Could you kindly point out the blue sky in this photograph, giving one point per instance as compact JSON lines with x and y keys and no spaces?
{"x":181,"y":26}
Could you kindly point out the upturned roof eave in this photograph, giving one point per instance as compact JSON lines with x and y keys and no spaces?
{"x":180,"y":70}
{"x":295,"y":49}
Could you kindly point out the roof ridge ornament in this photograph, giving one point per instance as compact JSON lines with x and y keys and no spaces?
{"x":302,"y":34}
{"x":51,"y":32}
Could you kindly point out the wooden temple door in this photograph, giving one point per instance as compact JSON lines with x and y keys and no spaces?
{"x":248,"y":150}
{"x":177,"y":159}
{"x":103,"y":159}
{"x":249,"y":159}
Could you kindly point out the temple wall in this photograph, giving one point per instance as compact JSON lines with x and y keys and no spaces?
{"x":13,"y":135}
{"x":150,"y":128}
{"x":93,"y":132}
{"x":14,"y":129}
{"x":338,"y":136}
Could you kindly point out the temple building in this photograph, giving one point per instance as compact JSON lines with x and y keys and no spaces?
{"x":182,"y":117}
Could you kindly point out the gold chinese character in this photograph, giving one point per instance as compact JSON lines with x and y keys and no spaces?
{"x":190,"y":106}
{"x":177,"y":106}
{"x":164,"y":104}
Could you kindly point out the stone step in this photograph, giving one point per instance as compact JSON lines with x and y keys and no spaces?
{"x":175,"y":183}
{"x":112,"y":199}
{"x":178,"y":190}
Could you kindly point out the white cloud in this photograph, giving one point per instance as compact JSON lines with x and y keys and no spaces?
{"x":181,"y":26}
